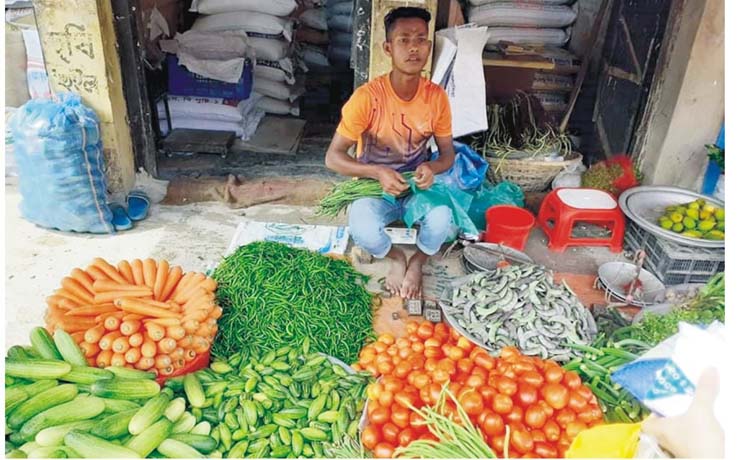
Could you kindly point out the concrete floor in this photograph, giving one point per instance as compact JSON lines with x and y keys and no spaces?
{"x":195,"y":236}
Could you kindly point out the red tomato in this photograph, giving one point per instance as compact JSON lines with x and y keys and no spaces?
{"x":554,"y":373}
{"x":416,"y":421}
{"x":493,"y":425}
{"x":472,"y":403}
{"x":532,"y":378}
{"x":515,"y":415}
{"x":577,"y":402}
{"x":421,"y":379}
{"x":380,"y":416}
{"x":487,"y":393}
{"x":547,"y":408}
{"x":538,"y":436}
{"x":392,"y":384}
{"x":370,"y":437}
{"x":521,"y":367}
{"x":587,"y":415}
{"x":400,"y":416}
{"x":435,"y":391}
{"x":551,"y":431}
{"x":586,"y":393}
{"x":521,"y":439}
{"x":402,"y":369}
{"x":474,"y":381}
{"x":424,"y":331}
{"x":572,"y":380}
{"x":383,"y":450}
{"x":464,"y":364}
{"x":440,"y":376}
{"x":484,"y":361}
{"x":390,"y":433}
{"x":498,"y":445}
{"x":406,"y":437}
{"x":502,"y":404}
{"x":527,"y":395}
{"x":565,"y":416}
{"x":483,"y":416}
{"x":544,"y":450}
{"x":574,"y":428}
{"x":386,"y":398}
{"x":556,"y":395}
{"x":535,"y":416}
{"x":507,"y":386}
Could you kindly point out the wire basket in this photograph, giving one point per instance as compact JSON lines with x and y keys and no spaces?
{"x":531,"y":175}
{"x":674,"y":263}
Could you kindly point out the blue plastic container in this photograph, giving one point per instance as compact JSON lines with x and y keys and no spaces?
{"x":182,"y":82}
{"x":713,"y":171}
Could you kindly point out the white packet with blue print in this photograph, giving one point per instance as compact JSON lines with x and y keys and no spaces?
{"x":664,"y":379}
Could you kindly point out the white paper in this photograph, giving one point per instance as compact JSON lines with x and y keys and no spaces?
{"x":465,"y":83}
{"x":402,"y":235}
{"x":445,"y":53}
{"x":319,"y":238}
{"x":36,"y":73}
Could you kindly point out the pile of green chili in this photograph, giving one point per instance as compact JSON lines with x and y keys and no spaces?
{"x":344,"y":193}
{"x":274,"y":295}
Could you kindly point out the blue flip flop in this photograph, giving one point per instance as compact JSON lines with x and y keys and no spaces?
{"x":120,"y":218}
{"x":138,"y":205}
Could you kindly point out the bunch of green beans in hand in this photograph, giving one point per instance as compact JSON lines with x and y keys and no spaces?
{"x":344,"y":193}
{"x":595,"y":368}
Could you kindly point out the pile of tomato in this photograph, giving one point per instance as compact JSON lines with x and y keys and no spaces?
{"x":544,"y":406}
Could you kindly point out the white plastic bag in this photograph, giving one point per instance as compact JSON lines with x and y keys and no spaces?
{"x":719,"y":191}
{"x":570,"y":177}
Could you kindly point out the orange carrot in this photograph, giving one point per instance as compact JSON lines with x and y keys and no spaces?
{"x":117,"y":315}
{"x":67,"y":304}
{"x":126,"y":271}
{"x":118,"y":359}
{"x":162,"y":361}
{"x":77,"y":289}
{"x":186,"y":343}
{"x":120,"y":345}
{"x":200,"y":299}
{"x":111,"y":296}
{"x":53,"y":300}
{"x":136,"y":340}
{"x":91,"y":361}
{"x":106,"y":285}
{"x":148,"y":349}
{"x":133,"y":355}
{"x":176,"y":332}
{"x":166,"y":322}
{"x":92,"y":310}
{"x":94,"y":334}
{"x":213,"y":329}
{"x":203,"y":330}
{"x":137,"y":267}
{"x":132,"y":317}
{"x":190,"y":326}
{"x":104,"y":358}
{"x":160,"y":281}
{"x":187,"y":278}
{"x":174,"y":276}
{"x":202,"y":345}
{"x":96,"y":274}
{"x":198,"y":314}
{"x":190,"y":354}
{"x":155,"y":303}
{"x":145,"y":363}
{"x":70,"y":296}
{"x":88,"y":349}
{"x":184,"y":294}
{"x":109,"y":270}
{"x":166,"y":345}
{"x":178,"y":363}
{"x":71,"y":324}
{"x":140,"y":308}
{"x":78,"y":336}
{"x":112,"y":323}
{"x":177,"y":353}
{"x":209,"y":284}
{"x":155,"y":332}
{"x":192,"y":292}
{"x":83,"y":279}
{"x":166,"y":371}
{"x":129,"y":327}
{"x":105,"y":343}
{"x":149,"y":272}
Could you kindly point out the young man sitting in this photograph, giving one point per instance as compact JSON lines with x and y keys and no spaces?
{"x":391,"y":119}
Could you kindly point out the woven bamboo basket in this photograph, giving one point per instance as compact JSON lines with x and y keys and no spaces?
{"x":530,"y":175}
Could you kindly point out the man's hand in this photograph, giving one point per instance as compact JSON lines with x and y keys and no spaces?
{"x":424,"y":177}
{"x":392,"y":182}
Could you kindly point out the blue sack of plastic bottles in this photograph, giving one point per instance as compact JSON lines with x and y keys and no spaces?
{"x":58,"y":150}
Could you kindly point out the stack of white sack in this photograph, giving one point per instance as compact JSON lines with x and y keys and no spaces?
{"x":213,"y":114}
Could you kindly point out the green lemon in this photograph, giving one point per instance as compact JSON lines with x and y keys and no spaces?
{"x":676,"y":217}
{"x":694,"y":205}
{"x":692,"y":233}
{"x":720,"y":225}
{"x":719,"y":214}
{"x":706,"y":225}
{"x":714,"y":235}
{"x":705,"y":214}
{"x":693,"y":213}
{"x":670,"y":209}
{"x":681,"y":209}
{"x":678,"y":227}
{"x":665,"y":223}
{"x":689,"y":223}
{"x":709,"y":207}
{"x":701,"y":201}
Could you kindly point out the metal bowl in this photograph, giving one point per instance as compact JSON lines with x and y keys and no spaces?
{"x":644,"y":205}
{"x":486,"y":256}
{"x":616,"y":276}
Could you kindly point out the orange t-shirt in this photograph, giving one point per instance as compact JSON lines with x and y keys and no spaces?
{"x":391,"y":131}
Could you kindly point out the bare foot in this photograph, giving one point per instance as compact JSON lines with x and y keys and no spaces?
{"x":395,"y":277}
{"x":412,"y":285}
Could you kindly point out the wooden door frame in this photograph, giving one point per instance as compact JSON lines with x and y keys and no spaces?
{"x":127,"y":20}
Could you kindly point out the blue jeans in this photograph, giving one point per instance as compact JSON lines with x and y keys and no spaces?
{"x":368,"y":218}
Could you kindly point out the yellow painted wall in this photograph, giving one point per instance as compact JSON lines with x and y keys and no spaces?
{"x":380,"y":63}
{"x":80,"y":54}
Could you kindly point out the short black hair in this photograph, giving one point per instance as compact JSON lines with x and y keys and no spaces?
{"x":405,"y":12}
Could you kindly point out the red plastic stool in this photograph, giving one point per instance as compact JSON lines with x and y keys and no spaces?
{"x":562,"y":208}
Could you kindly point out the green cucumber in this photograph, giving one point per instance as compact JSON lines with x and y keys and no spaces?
{"x":90,"y":446}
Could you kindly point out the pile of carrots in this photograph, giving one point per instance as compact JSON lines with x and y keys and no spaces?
{"x":141,"y":314}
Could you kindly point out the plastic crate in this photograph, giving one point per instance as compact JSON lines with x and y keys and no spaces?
{"x":182,"y":82}
{"x":674,"y":263}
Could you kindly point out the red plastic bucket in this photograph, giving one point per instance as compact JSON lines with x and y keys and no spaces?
{"x":509,"y":225}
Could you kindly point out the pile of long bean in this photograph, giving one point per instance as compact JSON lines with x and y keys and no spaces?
{"x":344,"y":193}
{"x":595,"y":367}
{"x":274,"y":295}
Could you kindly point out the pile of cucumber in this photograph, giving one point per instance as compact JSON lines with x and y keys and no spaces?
{"x":58,"y":407}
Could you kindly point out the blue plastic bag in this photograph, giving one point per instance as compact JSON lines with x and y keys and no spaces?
{"x":422,"y":201}
{"x":468,"y":170}
{"x":60,"y":162}
{"x":488,"y":196}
